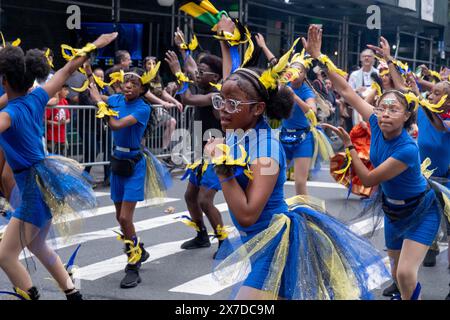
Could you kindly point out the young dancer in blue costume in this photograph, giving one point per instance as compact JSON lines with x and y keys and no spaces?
{"x":433,"y":139}
{"x":48,"y":185}
{"x":134,"y":172}
{"x":284,"y":250}
{"x":203,"y":183}
{"x":411,"y":207}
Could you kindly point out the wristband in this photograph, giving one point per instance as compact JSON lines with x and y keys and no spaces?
{"x":351,"y":147}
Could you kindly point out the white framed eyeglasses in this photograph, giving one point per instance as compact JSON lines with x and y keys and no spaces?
{"x":229,"y":105}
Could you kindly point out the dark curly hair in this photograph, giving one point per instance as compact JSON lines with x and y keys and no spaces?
{"x":410,"y":107}
{"x":214,"y":62}
{"x":21,"y":70}
{"x":279,"y":102}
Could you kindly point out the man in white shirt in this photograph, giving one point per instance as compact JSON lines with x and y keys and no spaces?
{"x":360,"y":80}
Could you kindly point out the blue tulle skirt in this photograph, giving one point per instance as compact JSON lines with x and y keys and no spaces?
{"x":304,"y":254}
{"x":55,"y":187}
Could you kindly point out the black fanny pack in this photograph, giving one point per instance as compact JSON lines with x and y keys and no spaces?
{"x":406,"y":210}
{"x":293,"y":136}
{"x":124,"y":167}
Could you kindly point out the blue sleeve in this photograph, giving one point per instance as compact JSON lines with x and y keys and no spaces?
{"x":306,"y":93}
{"x":142,"y":114}
{"x":408,"y":154}
{"x":12,"y":114}
{"x":373,"y":120}
{"x":114,"y":100}
{"x":39,"y":98}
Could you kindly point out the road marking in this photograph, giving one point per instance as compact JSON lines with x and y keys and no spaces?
{"x":140,"y":226}
{"x":318,"y":184}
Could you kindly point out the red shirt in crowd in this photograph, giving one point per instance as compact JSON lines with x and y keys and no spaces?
{"x":57,"y":132}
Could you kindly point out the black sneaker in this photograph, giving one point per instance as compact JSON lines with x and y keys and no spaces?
{"x":391,"y":291}
{"x":448,"y":296}
{"x":72,"y":295}
{"x":132,"y":278}
{"x":430,"y":258}
{"x":200,"y":241}
{"x":145,"y":255}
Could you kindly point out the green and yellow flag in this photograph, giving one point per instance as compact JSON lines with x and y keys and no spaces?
{"x":202,"y":10}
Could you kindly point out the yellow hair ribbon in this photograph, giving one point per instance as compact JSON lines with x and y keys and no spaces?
{"x":218,"y":86}
{"x":150,"y":75}
{"x":182,"y":78}
{"x":191,"y":46}
{"x":300,"y":58}
{"x":88,"y":48}
{"x":47,"y":56}
{"x":330,"y":65}
{"x":118,"y":76}
{"x":377,"y":88}
{"x":347,"y":166}
{"x":250,"y":49}
{"x":103,"y":111}
{"x":424,"y":168}
{"x":226,"y":159}
{"x":411,"y":97}
{"x":435,"y":108}
{"x":269,"y":78}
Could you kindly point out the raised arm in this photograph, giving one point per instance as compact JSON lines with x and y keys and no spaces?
{"x":313,"y":46}
{"x":384,"y":50}
{"x":190,"y":66}
{"x":226,"y":25}
{"x":57,"y":81}
{"x":262,"y":44}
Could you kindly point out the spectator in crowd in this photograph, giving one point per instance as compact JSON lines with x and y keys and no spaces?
{"x":57,"y":119}
{"x":123,"y":62}
{"x":360,"y":80}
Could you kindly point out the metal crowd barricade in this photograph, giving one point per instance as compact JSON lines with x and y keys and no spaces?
{"x":89,"y":141}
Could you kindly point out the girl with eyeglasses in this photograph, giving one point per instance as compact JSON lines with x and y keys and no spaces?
{"x":282,"y":250}
{"x":411,"y":206}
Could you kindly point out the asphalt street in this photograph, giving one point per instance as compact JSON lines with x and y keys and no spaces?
{"x":175,"y":274}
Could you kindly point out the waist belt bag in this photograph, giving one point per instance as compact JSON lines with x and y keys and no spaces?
{"x":404,"y":211}
{"x":124,"y":167}
{"x":293,"y":137}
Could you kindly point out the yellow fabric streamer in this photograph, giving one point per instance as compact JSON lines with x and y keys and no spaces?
{"x":83,"y":88}
{"x":103,"y":111}
{"x":47,"y":56}
{"x":226,"y":159}
{"x":88,"y":48}
{"x":435,"y":74}
{"x":22,"y":293}
{"x":191,"y":224}
{"x":270,"y":77}
{"x":191,"y":46}
{"x":347,"y":166}
{"x":234,"y":38}
{"x":331,"y":66}
{"x":118,"y":76}
{"x":135,"y":251}
{"x":218,"y":86}
{"x":15,"y":43}
{"x":221,"y":232}
{"x":182,"y":78}
{"x":377,"y":88}
{"x":436,"y":108}
{"x":250,"y":49}
{"x":424,"y":168}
